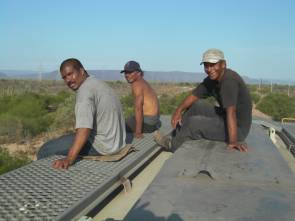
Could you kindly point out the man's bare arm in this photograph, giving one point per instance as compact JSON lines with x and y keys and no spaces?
{"x":231,"y":118}
{"x":138,"y":109}
{"x":177,"y":116}
{"x":80,"y":139}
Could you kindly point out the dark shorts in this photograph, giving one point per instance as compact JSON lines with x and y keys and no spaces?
{"x":150,"y":124}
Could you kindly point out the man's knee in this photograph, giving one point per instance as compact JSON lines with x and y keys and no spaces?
{"x":194,"y":121}
{"x":204,"y":106}
{"x":198,"y":126}
{"x":59,"y":146}
{"x":207,"y":127}
{"x":43,"y":151}
{"x":199,"y":107}
{"x":130,"y":124}
{"x":187,"y":131}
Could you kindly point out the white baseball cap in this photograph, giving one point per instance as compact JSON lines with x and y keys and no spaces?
{"x":212,"y":55}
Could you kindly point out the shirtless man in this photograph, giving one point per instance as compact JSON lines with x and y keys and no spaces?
{"x":146,"y":105}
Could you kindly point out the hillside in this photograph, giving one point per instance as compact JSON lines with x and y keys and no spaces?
{"x":2,"y":75}
{"x":114,"y":75}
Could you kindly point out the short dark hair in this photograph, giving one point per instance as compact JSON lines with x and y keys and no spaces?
{"x":71,"y":61}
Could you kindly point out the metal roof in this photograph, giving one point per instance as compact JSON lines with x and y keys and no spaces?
{"x":289,"y":130}
{"x":204,"y":181}
{"x":201,"y":181}
{"x":39,"y":192}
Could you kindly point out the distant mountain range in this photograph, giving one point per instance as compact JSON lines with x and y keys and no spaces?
{"x":114,"y":75}
{"x":2,"y":75}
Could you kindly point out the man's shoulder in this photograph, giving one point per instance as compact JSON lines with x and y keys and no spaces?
{"x":93,"y":83}
{"x":93,"y":87}
{"x":139,"y":85}
{"x":231,"y":74}
{"x":91,"y":80}
{"x":141,"y":82}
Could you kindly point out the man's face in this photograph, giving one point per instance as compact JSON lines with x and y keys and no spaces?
{"x":214,"y":70}
{"x":73,"y":77}
{"x":131,"y":76}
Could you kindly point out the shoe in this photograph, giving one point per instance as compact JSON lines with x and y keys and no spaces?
{"x":162,"y":140}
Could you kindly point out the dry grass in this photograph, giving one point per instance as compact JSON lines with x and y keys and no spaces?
{"x":16,"y":87}
{"x":123,"y":88}
{"x":31,"y":146}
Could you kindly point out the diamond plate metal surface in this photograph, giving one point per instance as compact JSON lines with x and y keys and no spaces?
{"x":39,"y":192}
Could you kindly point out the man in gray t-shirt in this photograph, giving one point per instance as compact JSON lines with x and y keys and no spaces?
{"x":100,"y":124}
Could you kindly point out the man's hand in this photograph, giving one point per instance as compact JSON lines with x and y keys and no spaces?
{"x":177,"y":116}
{"x":80,"y":139}
{"x":176,"y":119}
{"x":138,"y":135}
{"x":61,"y":163}
{"x":238,"y":146}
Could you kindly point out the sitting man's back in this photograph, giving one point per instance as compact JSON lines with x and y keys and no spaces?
{"x":97,"y":107}
{"x":146,"y":105}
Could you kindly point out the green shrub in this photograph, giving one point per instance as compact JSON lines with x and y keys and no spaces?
{"x":265,"y":90}
{"x":168,"y":104}
{"x":255,"y":97}
{"x":128,"y":105}
{"x":278,"y":106}
{"x":253,"y":87}
{"x":8,"y":162}
{"x":11,"y":128}
{"x":51,"y":102}
{"x":64,"y":116}
{"x":28,"y":114}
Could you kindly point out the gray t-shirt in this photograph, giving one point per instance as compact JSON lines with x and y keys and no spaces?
{"x":231,"y":90}
{"x":98,"y":108}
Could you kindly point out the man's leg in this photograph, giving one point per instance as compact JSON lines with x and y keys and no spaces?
{"x":59,"y":146}
{"x":197,"y":127}
{"x":151,"y":124}
{"x":146,"y":128}
{"x":203,"y":108}
{"x":130,"y":124}
{"x":201,"y":120}
{"x":62,"y":145}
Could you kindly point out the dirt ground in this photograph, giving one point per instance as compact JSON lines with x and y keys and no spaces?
{"x":30,"y":147}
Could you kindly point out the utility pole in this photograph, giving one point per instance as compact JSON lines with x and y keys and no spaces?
{"x":270,"y":86}
{"x":40,"y":72}
{"x":57,"y":76}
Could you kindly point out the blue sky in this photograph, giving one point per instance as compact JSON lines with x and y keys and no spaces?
{"x":257,"y":37}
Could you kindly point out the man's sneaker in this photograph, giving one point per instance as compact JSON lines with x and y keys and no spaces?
{"x":162,"y":140}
